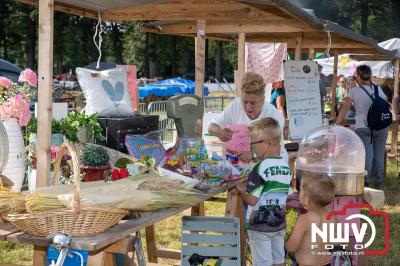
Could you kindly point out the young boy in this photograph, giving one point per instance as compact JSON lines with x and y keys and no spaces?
{"x":315,"y":194}
{"x":266,"y":193}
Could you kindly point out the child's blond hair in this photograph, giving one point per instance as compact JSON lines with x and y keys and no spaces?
{"x":320,"y":189}
{"x":253,"y":83}
{"x":267,"y":128}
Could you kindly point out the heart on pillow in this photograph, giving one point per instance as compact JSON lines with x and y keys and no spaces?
{"x":116,"y":94}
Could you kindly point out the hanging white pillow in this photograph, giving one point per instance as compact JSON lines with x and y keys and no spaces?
{"x":106,"y":92}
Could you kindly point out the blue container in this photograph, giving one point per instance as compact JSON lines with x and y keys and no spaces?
{"x":70,"y":260}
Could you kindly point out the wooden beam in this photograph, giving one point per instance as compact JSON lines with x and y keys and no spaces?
{"x":233,"y":27}
{"x":46,"y":27}
{"x":66,"y":9}
{"x":371,"y":57}
{"x":216,"y":37}
{"x":200,"y":42}
{"x":168,"y":254}
{"x":299,"y":43}
{"x":311,"y":54}
{"x":190,"y":10}
{"x":333,"y":85}
{"x":241,"y":62}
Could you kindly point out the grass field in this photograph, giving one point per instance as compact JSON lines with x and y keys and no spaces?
{"x":168,"y":232}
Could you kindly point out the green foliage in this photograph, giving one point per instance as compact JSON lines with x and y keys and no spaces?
{"x":148,"y":161}
{"x":94,"y":156}
{"x":75,"y":120}
{"x":123,"y":162}
{"x":56,"y":126}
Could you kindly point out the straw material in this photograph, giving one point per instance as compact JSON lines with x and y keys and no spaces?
{"x":74,"y":221}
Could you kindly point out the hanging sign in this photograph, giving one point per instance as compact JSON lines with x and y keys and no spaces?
{"x":302,"y":97}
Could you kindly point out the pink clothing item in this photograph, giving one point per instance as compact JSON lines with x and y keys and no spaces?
{"x":266,"y":59}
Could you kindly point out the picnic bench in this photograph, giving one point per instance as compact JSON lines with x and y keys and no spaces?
{"x":120,"y":238}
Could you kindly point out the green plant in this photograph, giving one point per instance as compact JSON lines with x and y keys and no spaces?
{"x":56,"y":126}
{"x":94,"y":156}
{"x":123,"y":162}
{"x":74,"y":121}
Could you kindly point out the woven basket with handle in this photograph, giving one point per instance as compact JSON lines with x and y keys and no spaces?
{"x":74,"y":221}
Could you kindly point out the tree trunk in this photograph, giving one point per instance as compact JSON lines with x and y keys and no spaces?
{"x":218,"y":60}
{"x":396,"y":16}
{"x":30,"y":44}
{"x":364,"y":17}
{"x":117,"y":43}
{"x":152,"y":56}
{"x":173,"y":55}
{"x":206,"y":74}
{"x":146,"y":56}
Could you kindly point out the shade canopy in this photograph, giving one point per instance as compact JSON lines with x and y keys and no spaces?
{"x":381,"y":65}
{"x":261,"y":20}
{"x":169,"y":87}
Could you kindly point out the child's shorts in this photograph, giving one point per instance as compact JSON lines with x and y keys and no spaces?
{"x":267,"y":248}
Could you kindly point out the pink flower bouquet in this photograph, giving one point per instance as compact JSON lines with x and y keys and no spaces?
{"x":14,"y":98}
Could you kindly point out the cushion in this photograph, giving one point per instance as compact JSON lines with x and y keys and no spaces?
{"x":106,"y":92}
{"x":149,"y":144}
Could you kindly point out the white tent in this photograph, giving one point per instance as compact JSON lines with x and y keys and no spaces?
{"x":380,"y":69}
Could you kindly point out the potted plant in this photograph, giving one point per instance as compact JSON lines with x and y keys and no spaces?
{"x":94,"y":162}
{"x":79,"y":127}
{"x":57,"y":136}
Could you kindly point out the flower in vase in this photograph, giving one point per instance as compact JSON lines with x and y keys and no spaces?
{"x":5,"y":82}
{"x":28,"y":76}
{"x":14,"y":98}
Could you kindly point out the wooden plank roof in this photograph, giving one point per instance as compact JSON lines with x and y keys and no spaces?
{"x":261,"y":20}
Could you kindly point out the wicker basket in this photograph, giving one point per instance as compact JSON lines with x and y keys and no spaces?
{"x":74,"y":221}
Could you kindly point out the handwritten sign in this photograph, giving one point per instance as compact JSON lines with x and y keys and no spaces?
{"x":302,"y":97}
{"x":240,"y":141}
{"x":133,"y":90}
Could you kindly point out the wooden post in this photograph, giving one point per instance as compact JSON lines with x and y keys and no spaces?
{"x":234,"y":207}
{"x":200,"y":56}
{"x":241,"y":62}
{"x":333,"y":85}
{"x":151,"y":244}
{"x":39,"y":256}
{"x":198,"y":210}
{"x":46,"y":25}
{"x":395,"y":125}
{"x":299,"y":43}
{"x":311,"y":54}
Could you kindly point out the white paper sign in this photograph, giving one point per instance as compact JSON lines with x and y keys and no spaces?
{"x":302,"y":97}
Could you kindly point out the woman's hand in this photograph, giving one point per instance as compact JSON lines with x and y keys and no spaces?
{"x":246,"y":157}
{"x":225,"y":134}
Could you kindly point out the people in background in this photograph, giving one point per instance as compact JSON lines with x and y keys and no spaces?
{"x":251,"y":106}
{"x":315,"y":195}
{"x":375,"y":151}
{"x":266,"y":194}
{"x":278,"y":98}
{"x":341,"y":89}
{"x":351,"y":114}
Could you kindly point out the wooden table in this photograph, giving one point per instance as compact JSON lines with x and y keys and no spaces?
{"x":119,"y":239}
